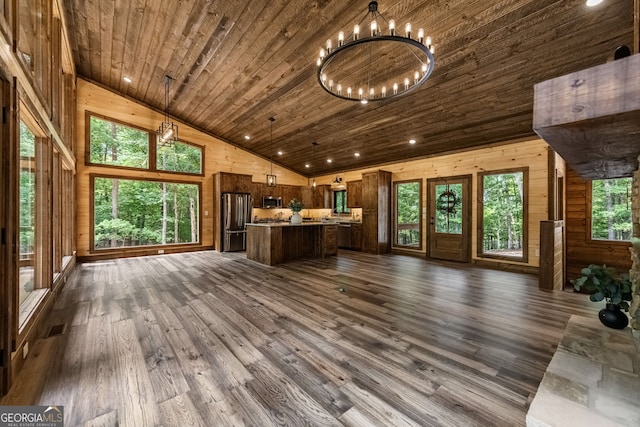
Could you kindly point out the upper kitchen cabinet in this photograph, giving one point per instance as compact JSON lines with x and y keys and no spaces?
{"x":354,"y":194}
{"x":290,"y":192}
{"x":376,"y":212}
{"x":322,"y":197}
{"x":316,"y":198}
{"x":233,"y":182}
{"x":256,"y":193}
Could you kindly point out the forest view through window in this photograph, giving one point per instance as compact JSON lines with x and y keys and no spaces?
{"x":611,"y":209}
{"x":407,"y":216}
{"x":503,"y":212}
{"x":130,"y":212}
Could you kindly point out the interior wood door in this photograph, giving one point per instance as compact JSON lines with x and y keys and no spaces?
{"x":450,"y":218}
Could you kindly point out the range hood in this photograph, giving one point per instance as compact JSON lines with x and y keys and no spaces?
{"x":592,"y":118}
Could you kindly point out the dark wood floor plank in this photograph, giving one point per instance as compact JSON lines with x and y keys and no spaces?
{"x":205,"y":338}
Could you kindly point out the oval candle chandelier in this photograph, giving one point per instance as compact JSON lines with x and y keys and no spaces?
{"x":377,"y":66}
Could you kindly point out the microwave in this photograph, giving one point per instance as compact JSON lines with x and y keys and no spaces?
{"x":271,"y":202}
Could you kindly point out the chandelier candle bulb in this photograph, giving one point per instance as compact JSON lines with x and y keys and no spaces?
{"x":329,"y":45}
{"x":429,"y":41}
{"x":356,"y":32}
{"x":331,"y":84}
{"x":349,"y":92}
{"x":407,"y":30}
{"x":371,"y":93}
{"x":321,"y":53}
{"x":416,"y":78}
{"x":339,"y":89}
{"x":392,"y":27}
{"x":340,"y":38}
{"x":432,"y":49}
{"x":406,"y":84}
{"x":374,"y":28}
{"x":421,"y":35}
{"x":395,"y":88}
{"x":384,"y":91}
{"x":360,"y":93}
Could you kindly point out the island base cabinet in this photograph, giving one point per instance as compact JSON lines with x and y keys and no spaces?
{"x":272,"y":245}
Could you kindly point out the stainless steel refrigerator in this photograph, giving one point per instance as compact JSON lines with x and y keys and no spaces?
{"x":236,"y":212}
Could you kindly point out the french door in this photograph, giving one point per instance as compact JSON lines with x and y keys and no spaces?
{"x":450,"y":218}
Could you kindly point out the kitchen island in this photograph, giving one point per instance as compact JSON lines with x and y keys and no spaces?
{"x":275,"y":243}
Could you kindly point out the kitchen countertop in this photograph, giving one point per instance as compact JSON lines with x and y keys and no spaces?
{"x":288,"y":224}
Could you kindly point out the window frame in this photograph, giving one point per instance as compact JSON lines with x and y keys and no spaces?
{"x":525,"y":215}
{"x":152,"y":145}
{"x":129,"y":249}
{"x":589,"y":218}
{"x":395,"y":243}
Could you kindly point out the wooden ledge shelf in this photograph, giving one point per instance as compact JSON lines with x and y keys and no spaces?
{"x":592,"y":118}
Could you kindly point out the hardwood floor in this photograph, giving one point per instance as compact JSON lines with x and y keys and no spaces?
{"x":208,"y":339}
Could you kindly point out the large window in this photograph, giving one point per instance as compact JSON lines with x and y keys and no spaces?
{"x":130,"y":212}
{"x":611,"y":209}
{"x":116,"y":144}
{"x":502,"y":213}
{"x":340,"y":202}
{"x":179,"y":157}
{"x":408,"y":218}
{"x":27,"y":215}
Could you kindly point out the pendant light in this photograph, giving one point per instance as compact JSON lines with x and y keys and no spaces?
{"x":168,"y":131}
{"x":271,"y":178}
{"x":314,"y":144}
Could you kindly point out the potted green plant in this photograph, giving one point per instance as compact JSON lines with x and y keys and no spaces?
{"x":603,"y":283}
{"x":296,"y":206}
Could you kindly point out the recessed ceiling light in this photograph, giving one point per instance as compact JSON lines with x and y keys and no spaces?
{"x":329,"y":160}
{"x":591,"y":3}
{"x":307,"y":165}
{"x":126,"y":79}
{"x":247,"y":137}
{"x":412,"y":141}
{"x":356,"y":154}
{"x":280,"y":153}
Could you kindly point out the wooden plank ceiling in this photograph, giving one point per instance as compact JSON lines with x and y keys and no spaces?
{"x":237,"y":63}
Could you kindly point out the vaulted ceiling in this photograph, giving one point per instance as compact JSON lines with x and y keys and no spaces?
{"x":237,"y":63}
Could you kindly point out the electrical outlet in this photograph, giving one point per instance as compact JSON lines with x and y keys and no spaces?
{"x":206,"y":213}
{"x":25,"y":350}
{"x":160,"y":251}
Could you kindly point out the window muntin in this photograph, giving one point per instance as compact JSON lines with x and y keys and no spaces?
{"x":611,"y":209}
{"x":408,"y":218}
{"x":133,"y":213}
{"x":340,"y":202}
{"x":503,"y":214}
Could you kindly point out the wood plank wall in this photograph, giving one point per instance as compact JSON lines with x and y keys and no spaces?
{"x":580,"y":249}
{"x":532,"y":153}
{"x":219,"y":156}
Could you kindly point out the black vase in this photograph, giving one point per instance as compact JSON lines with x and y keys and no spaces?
{"x":612,"y":317}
